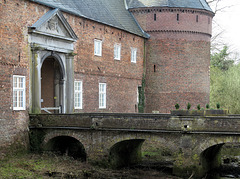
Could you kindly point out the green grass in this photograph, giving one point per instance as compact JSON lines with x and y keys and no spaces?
{"x":41,"y":166}
{"x":49,"y":165}
{"x":25,"y":166}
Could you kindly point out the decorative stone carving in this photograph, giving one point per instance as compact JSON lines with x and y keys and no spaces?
{"x":53,"y":32}
{"x":52,"y":25}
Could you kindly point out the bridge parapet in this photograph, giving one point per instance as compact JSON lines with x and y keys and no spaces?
{"x":100,"y":121}
{"x":131,"y":122}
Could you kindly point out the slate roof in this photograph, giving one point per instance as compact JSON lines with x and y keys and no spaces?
{"x":110,"y":12}
{"x":115,"y":13}
{"x":194,"y":4}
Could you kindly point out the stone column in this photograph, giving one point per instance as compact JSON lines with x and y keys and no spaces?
{"x":36,"y":81}
{"x":61,"y":96}
{"x":69,"y":84}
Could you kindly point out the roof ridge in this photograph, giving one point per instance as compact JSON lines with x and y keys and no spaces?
{"x":101,"y":11}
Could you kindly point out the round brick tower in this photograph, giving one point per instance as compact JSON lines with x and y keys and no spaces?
{"x":177,"y":52}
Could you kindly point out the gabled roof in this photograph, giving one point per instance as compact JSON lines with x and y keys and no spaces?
{"x":110,"y":12}
{"x":194,"y":4}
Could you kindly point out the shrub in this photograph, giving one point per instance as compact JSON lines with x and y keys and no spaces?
{"x":188,"y":106}
{"x":207,"y":106}
{"x":177,"y":106}
{"x":198,"y":107}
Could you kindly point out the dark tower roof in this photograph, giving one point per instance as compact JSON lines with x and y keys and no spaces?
{"x":193,"y":4}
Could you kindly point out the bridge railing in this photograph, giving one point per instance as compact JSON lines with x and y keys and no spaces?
{"x":135,"y":122}
{"x":48,"y":109}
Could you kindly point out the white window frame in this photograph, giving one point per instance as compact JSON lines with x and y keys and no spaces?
{"x":134,"y":55}
{"x":78,"y":94}
{"x":19,"y":92}
{"x":102,"y":95}
{"x":117,"y":51}
{"x":97,"y":47}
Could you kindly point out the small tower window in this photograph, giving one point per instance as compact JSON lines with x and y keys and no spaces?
{"x":155,"y":17}
{"x":209,"y":20}
{"x":177,"y":17}
{"x":154,"y":68}
{"x":196,"y":18}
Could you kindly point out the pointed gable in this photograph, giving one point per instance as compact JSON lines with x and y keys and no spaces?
{"x":54,"y":24}
{"x":53,"y":32}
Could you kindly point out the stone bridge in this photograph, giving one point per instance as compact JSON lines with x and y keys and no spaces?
{"x":192,"y":143}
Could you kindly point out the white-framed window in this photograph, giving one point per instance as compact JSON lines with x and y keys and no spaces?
{"x":97,"y":47}
{"x":133,"y":55}
{"x":117,"y":51}
{"x":78,"y":94}
{"x":19,"y":92}
{"x":102,"y":95}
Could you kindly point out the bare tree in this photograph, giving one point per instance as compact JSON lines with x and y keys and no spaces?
{"x":216,"y":5}
{"x":217,"y":41}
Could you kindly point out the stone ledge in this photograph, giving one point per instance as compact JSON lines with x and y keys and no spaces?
{"x":210,"y":112}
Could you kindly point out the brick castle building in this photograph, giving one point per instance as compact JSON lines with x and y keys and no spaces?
{"x":123,"y":56}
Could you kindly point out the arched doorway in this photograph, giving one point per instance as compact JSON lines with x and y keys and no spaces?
{"x":51,"y":85}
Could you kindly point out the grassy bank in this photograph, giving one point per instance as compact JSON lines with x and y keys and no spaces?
{"x":49,"y":165}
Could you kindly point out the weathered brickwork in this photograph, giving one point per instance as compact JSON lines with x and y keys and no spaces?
{"x":174,"y":19}
{"x":15,"y":59}
{"x":178,"y":72}
{"x":178,"y":57}
{"x":121,"y":76}
{"x":175,"y":61}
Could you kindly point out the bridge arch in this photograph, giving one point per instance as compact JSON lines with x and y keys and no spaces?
{"x":125,"y":153}
{"x":65,"y":143}
{"x":210,"y":154}
{"x":209,"y":142}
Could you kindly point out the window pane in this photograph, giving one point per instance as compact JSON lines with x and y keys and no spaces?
{"x":78,"y":94}
{"x":15,"y":99}
{"x":19,"y":92}
{"x":20,"y":82}
{"x":117,"y":51}
{"x":134,"y":55}
{"x":14,"y":82}
{"x":102,"y":95}
{"x":20,"y":98}
{"x":97,"y":47}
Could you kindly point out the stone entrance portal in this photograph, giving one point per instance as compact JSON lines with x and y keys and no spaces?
{"x":51,"y":39}
{"x":51,"y":85}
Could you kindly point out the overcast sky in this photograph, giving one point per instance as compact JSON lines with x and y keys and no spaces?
{"x":229,"y":20}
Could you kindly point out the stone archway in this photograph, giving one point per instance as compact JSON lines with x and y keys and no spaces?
{"x":49,"y":45}
{"x":52,"y":80}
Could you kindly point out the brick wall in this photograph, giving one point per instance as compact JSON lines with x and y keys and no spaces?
{"x":166,"y":19}
{"x":178,"y":72}
{"x":178,"y":57}
{"x":122,"y":77}
{"x":14,"y":60}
